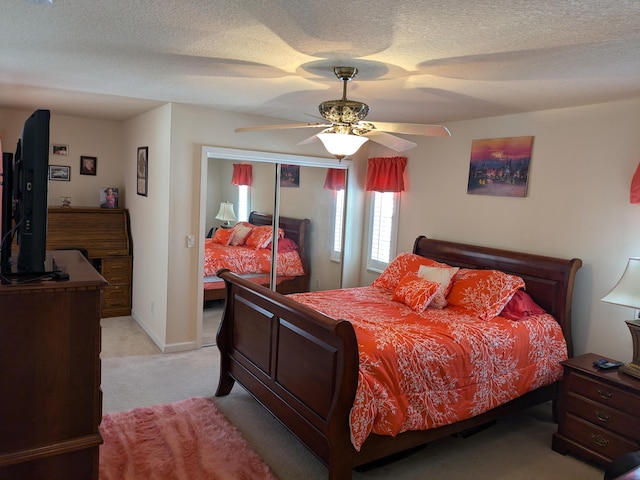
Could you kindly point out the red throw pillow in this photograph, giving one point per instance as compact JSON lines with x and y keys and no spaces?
{"x":404,"y":263}
{"x":521,"y":306}
{"x":222,"y":236}
{"x":415,"y":292}
{"x":483,"y":293}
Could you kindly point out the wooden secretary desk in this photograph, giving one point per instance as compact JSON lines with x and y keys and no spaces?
{"x":104,"y":233}
{"x":51,"y":403}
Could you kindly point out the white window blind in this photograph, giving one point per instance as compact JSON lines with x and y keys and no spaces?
{"x":243,"y":203}
{"x":338,"y":214}
{"x":382,"y":230}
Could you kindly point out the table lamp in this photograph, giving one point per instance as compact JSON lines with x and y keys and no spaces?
{"x":226,"y":214}
{"x":627,"y":293}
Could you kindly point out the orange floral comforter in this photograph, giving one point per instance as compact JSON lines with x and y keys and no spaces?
{"x":245,"y":260}
{"x":419,"y":371}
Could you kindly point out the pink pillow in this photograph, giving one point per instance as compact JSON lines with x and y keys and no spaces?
{"x":483,"y":293}
{"x":415,"y":292}
{"x":404,"y":263}
{"x":443,"y":277}
{"x":285,"y":245}
{"x":521,"y":306}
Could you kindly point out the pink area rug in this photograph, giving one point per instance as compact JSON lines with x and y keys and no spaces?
{"x":186,"y":440}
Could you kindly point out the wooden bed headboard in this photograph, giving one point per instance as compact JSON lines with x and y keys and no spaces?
{"x":294,"y":228}
{"x":548,"y":280}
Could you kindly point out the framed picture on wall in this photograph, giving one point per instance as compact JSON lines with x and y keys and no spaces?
{"x":88,"y":165}
{"x":60,"y":173}
{"x":500,"y":166}
{"x":143,"y":170}
{"x":290,"y":176}
{"x":59,"y":149}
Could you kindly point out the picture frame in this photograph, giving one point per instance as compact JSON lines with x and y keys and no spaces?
{"x":108,"y":197}
{"x":59,"y":149}
{"x":142,"y":169}
{"x":60,"y":173}
{"x":88,"y":165}
{"x":500,"y":166}
{"x":290,"y":176}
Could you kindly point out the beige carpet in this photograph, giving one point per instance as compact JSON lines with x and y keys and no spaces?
{"x":516,"y":448}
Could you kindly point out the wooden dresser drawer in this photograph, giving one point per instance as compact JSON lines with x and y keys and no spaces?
{"x":116,"y":267}
{"x":604,"y":393}
{"x":604,"y":416}
{"x":116,"y":296}
{"x":596,"y":439}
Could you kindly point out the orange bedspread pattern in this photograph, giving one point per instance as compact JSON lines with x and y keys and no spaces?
{"x":419,"y":371}
{"x":243,"y":260}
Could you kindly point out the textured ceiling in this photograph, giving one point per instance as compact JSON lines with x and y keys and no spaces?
{"x":420,"y":61}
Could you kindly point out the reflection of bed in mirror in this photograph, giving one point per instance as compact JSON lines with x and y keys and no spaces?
{"x":294,"y":230}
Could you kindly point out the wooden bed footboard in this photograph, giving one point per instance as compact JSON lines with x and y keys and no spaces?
{"x":298,"y":363}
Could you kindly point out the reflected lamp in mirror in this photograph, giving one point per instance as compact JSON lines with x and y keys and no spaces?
{"x":627,"y":293}
{"x":226,"y":214}
{"x":341,"y":145}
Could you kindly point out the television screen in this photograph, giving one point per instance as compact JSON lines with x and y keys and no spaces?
{"x":6,"y":213}
{"x":31,"y":177}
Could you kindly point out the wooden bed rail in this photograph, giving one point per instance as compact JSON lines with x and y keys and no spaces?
{"x":267,"y":343}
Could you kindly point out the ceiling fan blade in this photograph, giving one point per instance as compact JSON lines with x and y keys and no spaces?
{"x":413,"y":129}
{"x":390,"y":141}
{"x":282,"y":126}
{"x":311,"y":139}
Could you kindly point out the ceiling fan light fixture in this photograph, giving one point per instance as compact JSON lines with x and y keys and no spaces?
{"x":340,"y":144}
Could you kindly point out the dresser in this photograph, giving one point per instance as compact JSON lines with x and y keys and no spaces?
{"x":50,"y":374}
{"x":104,"y":233}
{"x":598,"y":411}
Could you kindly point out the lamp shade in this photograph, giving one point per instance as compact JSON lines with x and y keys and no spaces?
{"x":627,"y":290}
{"x":340,"y":144}
{"x":226,"y":213}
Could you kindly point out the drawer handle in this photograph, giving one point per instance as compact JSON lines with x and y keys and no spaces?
{"x":603,"y":417}
{"x":606,"y":394}
{"x":599,"y":440}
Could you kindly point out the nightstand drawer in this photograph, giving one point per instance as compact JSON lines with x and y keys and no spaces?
{"x":602,"y":393}
{"x":604,"y":416}
{"x":597,"y":439}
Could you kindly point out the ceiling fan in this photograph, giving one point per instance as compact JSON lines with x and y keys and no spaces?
{"x":346,"y":131}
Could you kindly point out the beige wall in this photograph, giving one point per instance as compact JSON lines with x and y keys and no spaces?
{"x":89,"y":137}
{"x":577,"y":205}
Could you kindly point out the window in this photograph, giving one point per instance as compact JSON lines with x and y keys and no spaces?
{"x":383,"y":228}
{"x":338,"y":214}
{"x":243,"y":203}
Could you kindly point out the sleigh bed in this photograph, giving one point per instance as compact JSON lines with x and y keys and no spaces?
{"x":305,"y":368}
{"x":293,"y":230}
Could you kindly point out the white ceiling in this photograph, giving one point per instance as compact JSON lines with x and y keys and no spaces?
{"x":420,"y":61}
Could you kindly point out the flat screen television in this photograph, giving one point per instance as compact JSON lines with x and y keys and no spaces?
{"x":28,"y":206}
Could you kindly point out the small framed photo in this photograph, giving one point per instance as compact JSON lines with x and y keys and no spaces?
{"x":60,"y":173}
{"x":65,"y":201}
{"x":143,"y":172}
{"x":59,"y":149}
{"x":88,"y":165}
{"x":108,"y":197}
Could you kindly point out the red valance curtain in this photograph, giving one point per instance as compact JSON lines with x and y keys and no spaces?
{"x":241,"y":174}
{"x":386,"y":174}
{"x":635,"y":187}
{"x":336,"y":179}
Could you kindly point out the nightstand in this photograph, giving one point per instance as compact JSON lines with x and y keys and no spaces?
{"x":598,"y":411}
